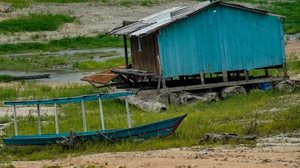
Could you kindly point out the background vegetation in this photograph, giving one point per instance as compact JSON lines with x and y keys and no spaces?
{"x":59,"y":62}
{"x":80,"y":42}
{"x":35,"y":22}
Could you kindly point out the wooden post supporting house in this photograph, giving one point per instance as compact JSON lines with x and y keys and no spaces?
{"x":225,"y":76}
{"x":125,"y":51}
{"x":202,"y":77}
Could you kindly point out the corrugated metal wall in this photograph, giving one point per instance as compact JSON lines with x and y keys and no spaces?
{"x":221,"y":38}
{"x":146,"y":59}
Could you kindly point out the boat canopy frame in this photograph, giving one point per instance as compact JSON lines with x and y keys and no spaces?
{"x":66,"y":100}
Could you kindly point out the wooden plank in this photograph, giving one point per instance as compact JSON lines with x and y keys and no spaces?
{"x":223,"y":84}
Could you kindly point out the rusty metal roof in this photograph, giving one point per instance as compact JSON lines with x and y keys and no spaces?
{"x":161,"y":19}
{"x":103,"y":77}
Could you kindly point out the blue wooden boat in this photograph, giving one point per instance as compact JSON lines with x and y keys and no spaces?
{"x":158,"y":129}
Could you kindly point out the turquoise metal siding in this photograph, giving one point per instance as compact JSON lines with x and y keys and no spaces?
{"x":221,"y":38}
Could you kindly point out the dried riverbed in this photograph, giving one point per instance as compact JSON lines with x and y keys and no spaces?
{"x":282,"y":150}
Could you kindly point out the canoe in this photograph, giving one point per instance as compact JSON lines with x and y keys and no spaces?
{"x":157,"y":129}
{"x":31,"y":77}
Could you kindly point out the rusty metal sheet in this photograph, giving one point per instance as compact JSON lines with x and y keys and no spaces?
{"x":103,"y":77}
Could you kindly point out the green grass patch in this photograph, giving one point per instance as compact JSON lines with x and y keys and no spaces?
{"x":233,"y":115}
{"x":91,"y":64}
{"x":48,"y":63}
{"x":5,"y":78}
{"x":35,"y":22}
{"x":80,"y":42}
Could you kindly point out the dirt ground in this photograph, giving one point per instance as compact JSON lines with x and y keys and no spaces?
{"x":293,"y":47}
{"x":92,"y":18}
{"x":279,"y":151}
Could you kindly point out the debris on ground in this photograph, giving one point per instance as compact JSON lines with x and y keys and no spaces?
{"x":5,"y":7}
{"x":286,"y":86}
{"x":232,"y":90}
{"x":225,"y":138}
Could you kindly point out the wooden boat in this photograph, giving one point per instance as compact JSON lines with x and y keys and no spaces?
{"x":31,"y":77}
{"x":158,"y":129}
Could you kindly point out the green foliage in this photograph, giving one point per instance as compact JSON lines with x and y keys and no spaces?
{"x":5,"y":78}
{"x":35,"y":22}
{"x":233,"y":115}
{"x":79,"y":42}
{"x":293,"y":65}
{"x":91,"y":64}
{"x":47,"y":63}
{"x":5,"y":119}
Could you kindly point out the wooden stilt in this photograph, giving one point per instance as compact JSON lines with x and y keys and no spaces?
{"x":126,"y":52}
{"x":285,"y":73}
{"x":101,"y":113}
{"x":56,"y":119}
{"x":225,"y":76}
{"x":202,"y":78}
{"x":83,"y":116}
{"x":39,"y":120}
{"x":128,"y":113}
{"x":159,"y":82}
{"x":266,"y":72}
{"x":163,"y":81}
{"x":15,"y":121}
{"x":246,"y":75}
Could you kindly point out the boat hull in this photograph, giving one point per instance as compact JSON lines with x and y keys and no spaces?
{"x":158,"y":129}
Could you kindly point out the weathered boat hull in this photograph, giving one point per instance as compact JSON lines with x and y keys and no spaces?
{"x":158,"y":129}
{"x":31,"y":77}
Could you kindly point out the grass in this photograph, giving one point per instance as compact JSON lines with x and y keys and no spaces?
{"x":80,"y":42}
{"x":91,"y":64}
{"x":35,"y":22}
{"x":53,"y":62}
{"x":5,"y":78}
{"x":233,"y":115}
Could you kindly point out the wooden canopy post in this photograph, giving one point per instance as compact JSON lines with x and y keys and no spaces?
{"x":128,"y":113}
{"x":39,"y":120}
{"x":125,"y":51}
{"x":83,"y":116}
{"x":56,"y":119}
{"x":15,"y":121}
{"x":101,"y":113}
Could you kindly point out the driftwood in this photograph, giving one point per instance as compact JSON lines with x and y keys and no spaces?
{"x":146,"y":105}
{"x":70,"y":141}
{"x":225,"y":138}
